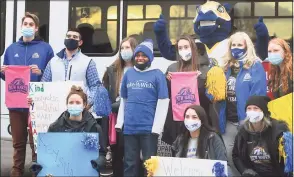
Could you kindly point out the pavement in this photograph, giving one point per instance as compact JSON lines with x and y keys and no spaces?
{"x":7,"y":158}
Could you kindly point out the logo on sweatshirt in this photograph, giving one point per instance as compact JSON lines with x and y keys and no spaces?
{"x":259,"y":155}
{"x":247,"y":77}
{"x":16,"y":55}
{"x":35,"y":55}
{"x":185,"y":95}
{"x":18,"y":85}
{"x":140,"y":84}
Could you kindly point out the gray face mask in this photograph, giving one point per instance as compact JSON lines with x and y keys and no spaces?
{"x":126,"y":55}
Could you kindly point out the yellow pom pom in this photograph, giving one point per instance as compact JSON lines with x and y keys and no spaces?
{"x":151,"y":165}
{"x":281,"y":150}
{"x":216,"y":83}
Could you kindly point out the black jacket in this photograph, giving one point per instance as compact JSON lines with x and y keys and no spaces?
{"x":271,"y":135}
{"x":171,"y":127}
{"x":88,"y":124}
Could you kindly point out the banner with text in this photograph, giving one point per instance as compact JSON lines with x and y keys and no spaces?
{"x":49,"y":101}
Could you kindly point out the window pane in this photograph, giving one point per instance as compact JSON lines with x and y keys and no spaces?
{"x":2,"y":26}
{"x":264,"y":9}
{"x":175,"y":31}
{"x":140,"y":29}
{"x":135,"y":12}
{"x":242,"y":9}
{"x":97,"y":21}
{"x":112,"y":13}
{"x":40,"y":8}
{"x":285,"y":9}
{"x":191,"y":11}
{"x":91,"y":15}
{"x":153,"y":11}
{"x":177,"y":11}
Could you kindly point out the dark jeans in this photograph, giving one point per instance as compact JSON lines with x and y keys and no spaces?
{"x":19,"y":125}
{"x":118,"y":155}
{"x":133,"y":144}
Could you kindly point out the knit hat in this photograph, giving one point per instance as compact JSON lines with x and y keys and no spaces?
{"x":259,"y":101}
{"x":147,"y":48}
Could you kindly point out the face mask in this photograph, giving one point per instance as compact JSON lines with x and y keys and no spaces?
{"x":275,"y":58}
{"x":238,"y":54}
{"x":27,"y":32}
{"x":126,"y":55}
{"x":75,"y":109}
{"x":254,"y":116}
{"x":142,"y":66}
{"x":185,"y":54}
{"x":192,"y":125}
{"x":71,"y":44}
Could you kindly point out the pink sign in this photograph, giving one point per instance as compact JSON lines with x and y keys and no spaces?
{"x":17,"y":80}
{"x":184,"y":92}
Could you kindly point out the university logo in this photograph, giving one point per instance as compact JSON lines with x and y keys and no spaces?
{"x":247,"y":77}
{"x":140,"y":84}
{"x":18,"y":85}
{"x":185,"y":96}
{"x":35,"y":55}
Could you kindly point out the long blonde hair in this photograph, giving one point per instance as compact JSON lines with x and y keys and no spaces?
{"x":251,"y":56}
{"x":285,"y":71}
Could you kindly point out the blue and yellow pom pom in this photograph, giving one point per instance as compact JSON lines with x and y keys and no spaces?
{"x":286,"y":151}
{"x":216,"y":83}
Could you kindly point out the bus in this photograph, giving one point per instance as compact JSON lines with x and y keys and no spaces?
{"x":104,"y":23}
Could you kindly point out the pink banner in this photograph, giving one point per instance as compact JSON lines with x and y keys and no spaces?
{"x":111,"y":130}
{"x":17,"y":80}
{"x":184,"y":92}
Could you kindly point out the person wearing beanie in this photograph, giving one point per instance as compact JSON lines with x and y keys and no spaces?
{"x":143,"y":108}
{"x":261,"y":146}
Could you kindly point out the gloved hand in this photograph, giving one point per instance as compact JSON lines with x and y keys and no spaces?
{"x":260,"y":28}
{"x":35,"y":168}
{"x":99,"y":163}
{"x":249,"y":173}
{"x":160,"y":24}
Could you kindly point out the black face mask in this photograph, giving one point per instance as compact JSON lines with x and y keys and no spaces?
{"x":71,"y":44}
{"x":142,"y":66}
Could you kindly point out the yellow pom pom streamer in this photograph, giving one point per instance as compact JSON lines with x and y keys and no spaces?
{"x":216,"y":83}
{"x":151,"y":165}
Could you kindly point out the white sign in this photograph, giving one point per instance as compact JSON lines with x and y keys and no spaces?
{"x":49,"y":102}
{"x":171,"y":166}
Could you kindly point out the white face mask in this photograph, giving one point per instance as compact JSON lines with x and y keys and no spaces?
{"x":254,"y":116}
{"x":127,"y":54}
{"x":186,"y":54}
{"x":192,"y":125}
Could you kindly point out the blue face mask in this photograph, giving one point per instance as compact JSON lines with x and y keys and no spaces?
{"x":75,"y":109}
{"x":238,"y":54}
{"x":27,"y":32}
{"x":127,"y":55}
{"x":275,"y":58}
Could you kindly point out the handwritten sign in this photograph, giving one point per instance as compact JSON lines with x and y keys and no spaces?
{"x":282,"y":109}
{"x":49,"y":101}
{"x":65,"y":159}
{"x":171,"y":166}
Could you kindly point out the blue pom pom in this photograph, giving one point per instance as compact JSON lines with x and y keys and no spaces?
{"x":288,"y":148}
{"x":91,"y":142}
{"x":219,"y":170}
{"x":102,"y":103}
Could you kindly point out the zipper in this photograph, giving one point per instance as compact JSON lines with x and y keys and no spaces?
{"x":26,"y":54}
{"x":69,"y":74}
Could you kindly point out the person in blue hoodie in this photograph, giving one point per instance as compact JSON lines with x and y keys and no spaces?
{"x":245,"y":77}
{"x":143,"y":108}
{"x":31,"y":51}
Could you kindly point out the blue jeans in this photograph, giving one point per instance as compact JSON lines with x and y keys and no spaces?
{"x":133,"y":145}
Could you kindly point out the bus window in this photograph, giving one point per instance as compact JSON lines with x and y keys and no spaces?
{"x":98,"y":22}
{"x":2,"y":26}
{"x":275,"y":14}
{"x":42,"y":10}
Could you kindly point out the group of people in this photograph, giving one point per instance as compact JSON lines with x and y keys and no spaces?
{"x":238,"y":129}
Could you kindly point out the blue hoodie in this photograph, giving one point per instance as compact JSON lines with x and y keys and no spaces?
{"x":36,"y":52}
{"x":249,"y":82}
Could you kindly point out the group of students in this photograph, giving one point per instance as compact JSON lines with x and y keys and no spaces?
{"x":243,"y":134}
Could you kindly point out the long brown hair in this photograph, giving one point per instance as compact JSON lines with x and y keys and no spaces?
{"x":119,"y":63}
{"x":191,"y":65}
{"x":285,"y":71}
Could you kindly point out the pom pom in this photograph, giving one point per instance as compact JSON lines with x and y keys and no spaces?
{"x":216,"y":83}
{"x":91,"y":142}
{"x":219,"y":170}
{"x":151,"y":165}
{"x":286,"y":151}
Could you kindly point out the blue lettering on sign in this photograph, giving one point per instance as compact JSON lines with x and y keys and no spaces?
{"x":18,"y":85}
{"x":185,"y":96}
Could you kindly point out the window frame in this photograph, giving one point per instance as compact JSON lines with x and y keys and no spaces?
{"x":3,"y":28}
{"x":106,"y":19}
